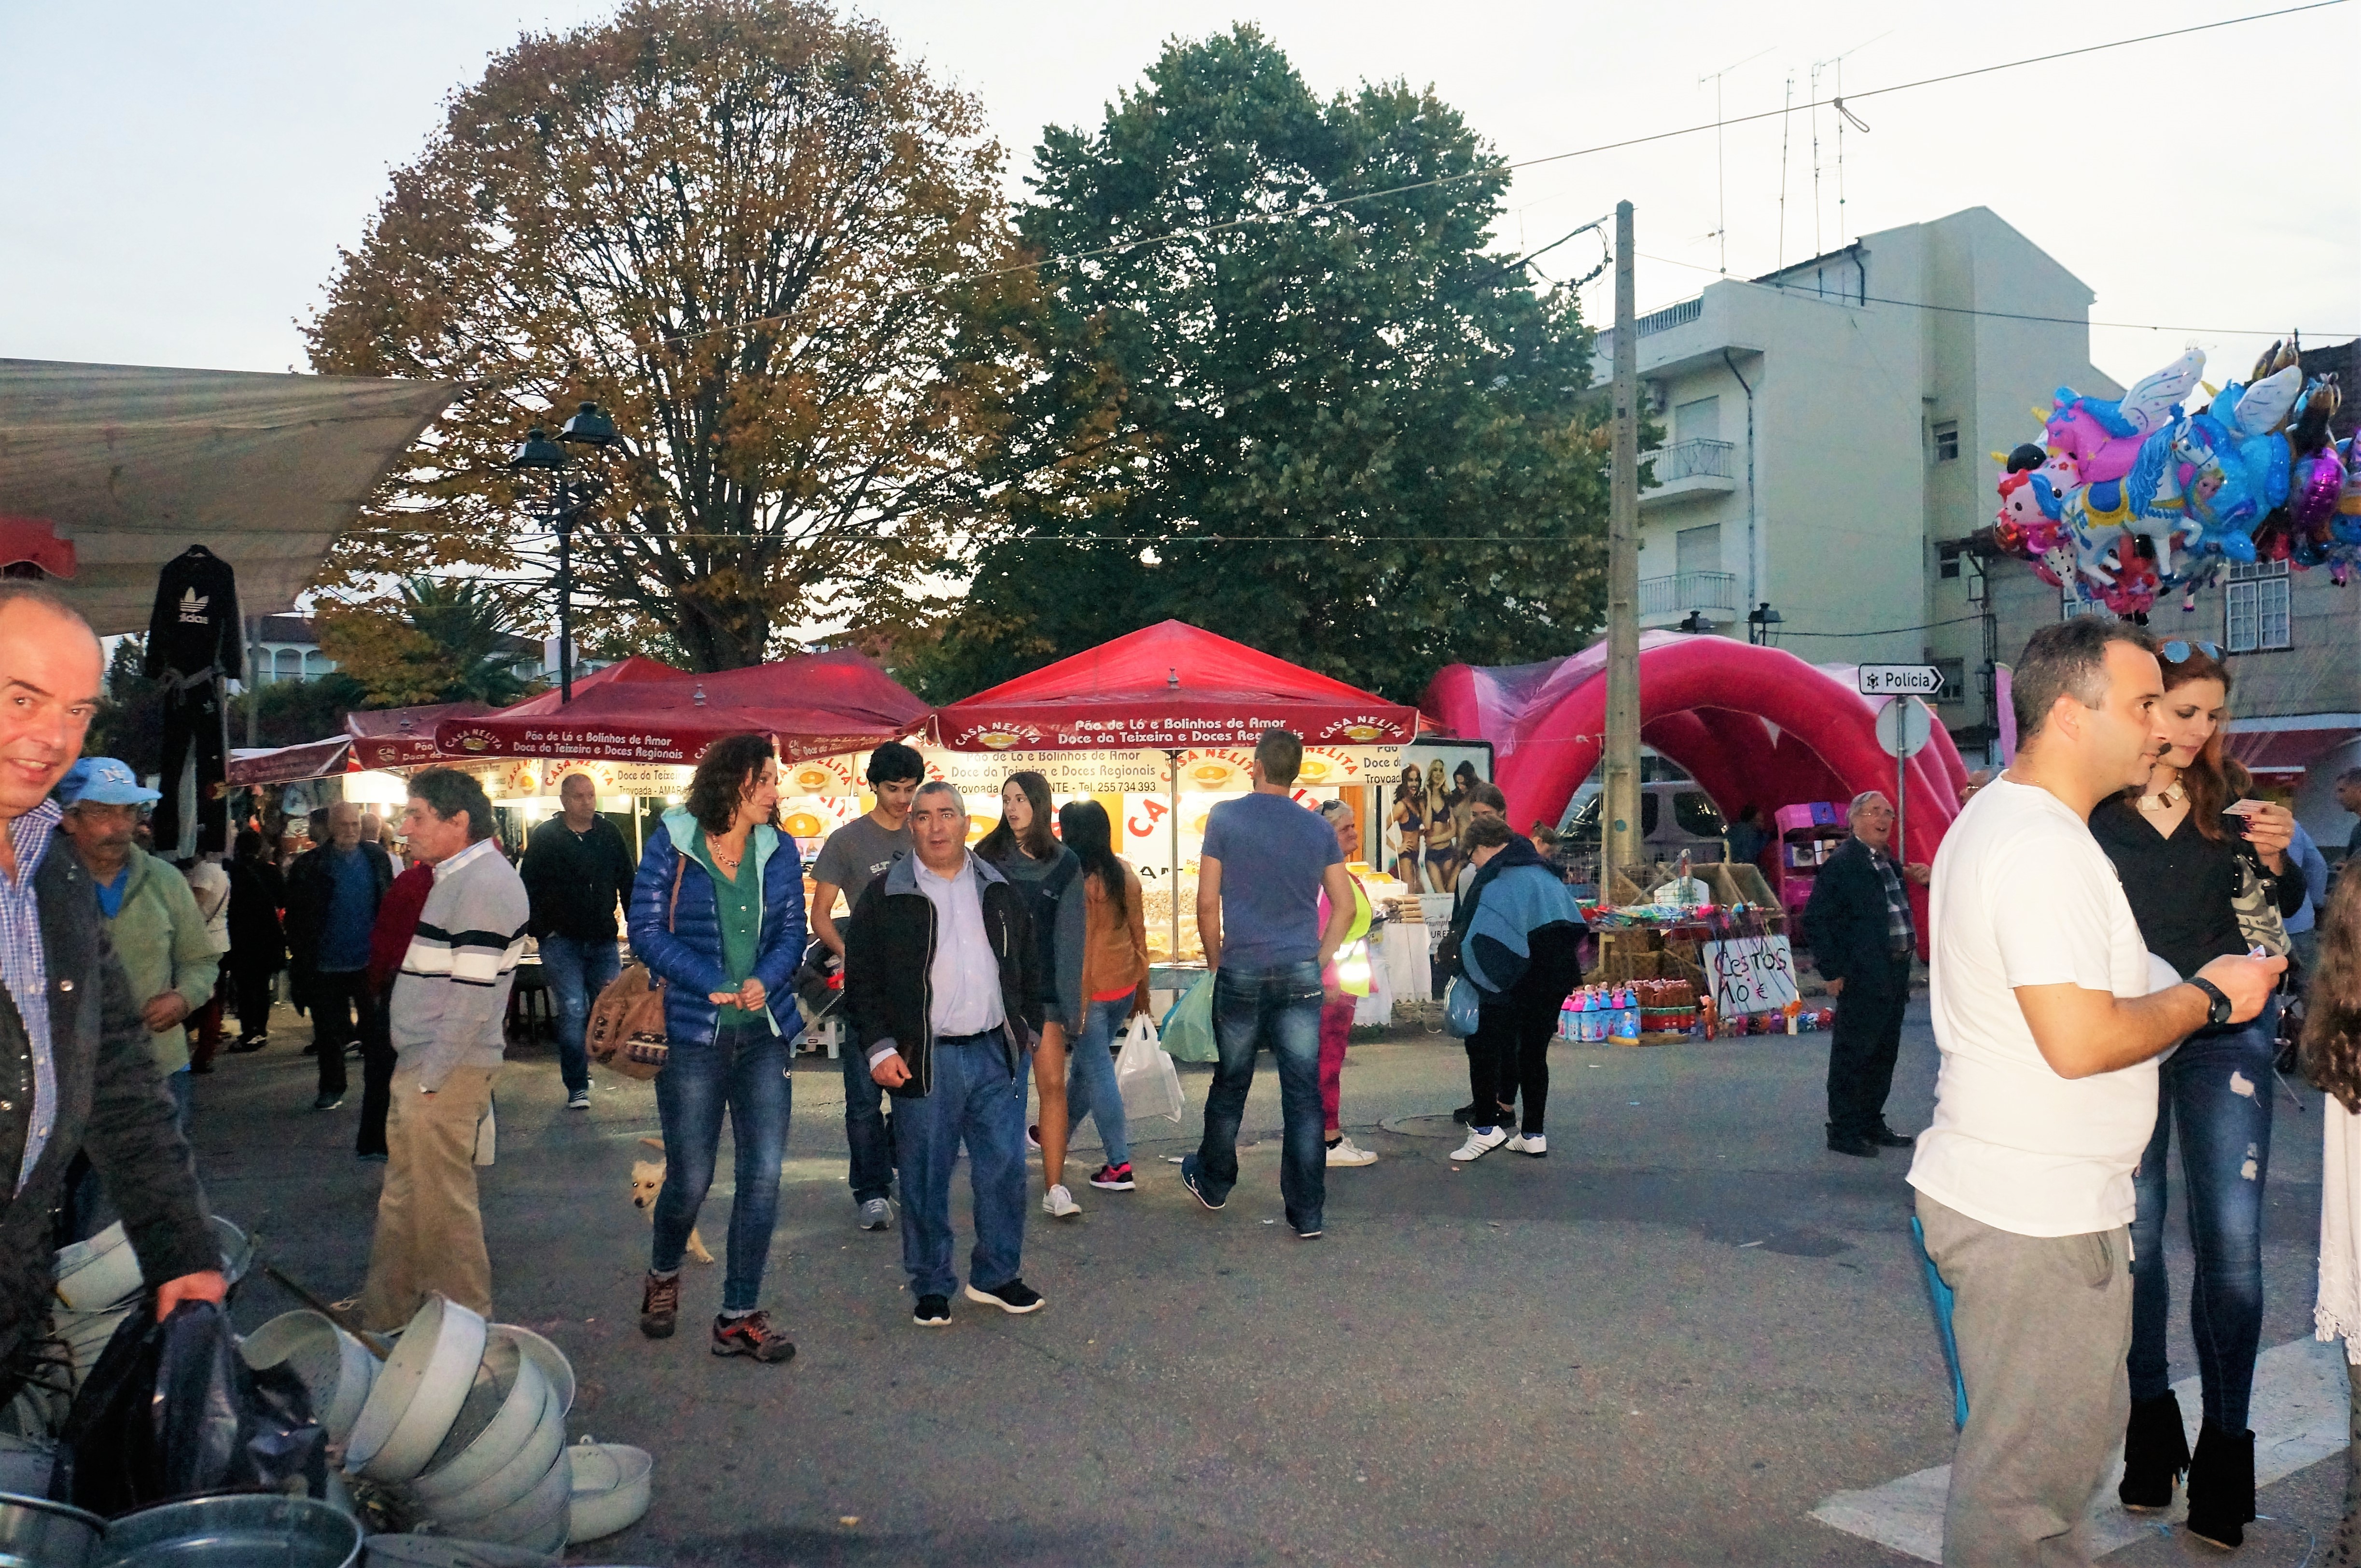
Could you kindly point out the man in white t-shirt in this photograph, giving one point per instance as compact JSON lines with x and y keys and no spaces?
{"x":2050,"y":1016}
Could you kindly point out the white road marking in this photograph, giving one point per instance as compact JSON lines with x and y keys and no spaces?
{"x":2300,"y":1414}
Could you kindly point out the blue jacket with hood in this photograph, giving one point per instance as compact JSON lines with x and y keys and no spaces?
{"x":687,"y":956}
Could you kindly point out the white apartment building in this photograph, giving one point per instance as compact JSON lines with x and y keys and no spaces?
{"x":1826,"y":442}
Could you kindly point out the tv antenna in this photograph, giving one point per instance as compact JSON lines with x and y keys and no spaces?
{"x":1834,"y":63}
{"x":1721,"y":182}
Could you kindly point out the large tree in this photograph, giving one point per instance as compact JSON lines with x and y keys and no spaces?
{"x":773,"y":248}
{"x":1343,"y":430}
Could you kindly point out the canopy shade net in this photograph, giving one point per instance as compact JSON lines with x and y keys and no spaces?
{"x":816,"y":706}
{"x":1171,"y":684}
{"x":131,"y":466}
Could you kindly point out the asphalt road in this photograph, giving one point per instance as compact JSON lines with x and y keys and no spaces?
{"x":1666,"y":1343}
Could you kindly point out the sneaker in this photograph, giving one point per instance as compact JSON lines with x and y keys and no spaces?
{"x":1114,"y":1177}
{"x":876,"y":1215}
{"x":1480,"y":1141}
{"x":660,"y":1307}
{"x":751,"y":1335}
{"x":1886,"y":1137}
{"x":1059,"y":1203}
{"x":378,"y":1158}
{"x":579,"y":1100}
{"x":1014,"y":1296}
{"x":1345,"y":1151}
{"x":1534,"y":1143}
{"x":1189,"y":1180}
{"x":1463,"y":1113}
{"x":327,"y":1101}
{"x":1032,"y":1135}
{"x":1307,"y":1236}
{"x":932,"y":1311}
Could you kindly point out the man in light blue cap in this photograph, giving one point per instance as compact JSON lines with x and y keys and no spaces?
{"x":158,"y":931}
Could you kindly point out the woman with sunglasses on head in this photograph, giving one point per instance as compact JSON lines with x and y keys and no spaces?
{"x":1044,"y":872}
{"x":2184,"y":846}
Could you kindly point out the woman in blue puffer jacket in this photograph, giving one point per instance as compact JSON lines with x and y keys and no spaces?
{"x":718,"y":915}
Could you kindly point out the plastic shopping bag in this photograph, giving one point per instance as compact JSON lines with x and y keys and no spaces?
{"x":1144,"y":1076}
{"x":1460,"y":1006}
{"x":1188,"y":1029}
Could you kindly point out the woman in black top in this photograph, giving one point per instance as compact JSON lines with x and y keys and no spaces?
{"x":1043,"y":872}
{"x":2179,"y":857}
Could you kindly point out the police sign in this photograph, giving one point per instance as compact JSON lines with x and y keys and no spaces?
{"x":1900,"y":680}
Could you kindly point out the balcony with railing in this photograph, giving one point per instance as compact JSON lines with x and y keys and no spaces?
{"x":1688,"y":468}
{"x":1684,"y":591}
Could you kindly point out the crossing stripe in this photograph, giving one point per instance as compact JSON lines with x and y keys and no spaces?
{"x":2299,"y":1413}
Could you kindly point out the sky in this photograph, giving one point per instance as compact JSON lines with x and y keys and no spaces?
{"x":177,"y":180}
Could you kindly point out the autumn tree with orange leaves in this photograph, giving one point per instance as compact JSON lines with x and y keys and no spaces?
{"x":774,"y":249}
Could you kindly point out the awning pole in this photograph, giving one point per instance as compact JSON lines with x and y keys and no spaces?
{"x":1172,"y":778}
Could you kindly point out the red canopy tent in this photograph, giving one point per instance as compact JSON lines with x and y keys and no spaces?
{"x":1171,"y":684}
{"x":404,"y":737}
{"x":816,"y":707}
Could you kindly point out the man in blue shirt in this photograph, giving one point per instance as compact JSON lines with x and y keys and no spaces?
{"x":332,"y":893}
{"x":2301,"y":926}
{"x":1266,"y":949}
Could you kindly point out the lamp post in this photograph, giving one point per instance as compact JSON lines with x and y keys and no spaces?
{"x":590,"y":427}
{"x":1759,"y":622}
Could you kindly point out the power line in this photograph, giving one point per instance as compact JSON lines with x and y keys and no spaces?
{"x":1843,"y":299}
{"x":1334,"y":202}
{"x":1889,"y":632}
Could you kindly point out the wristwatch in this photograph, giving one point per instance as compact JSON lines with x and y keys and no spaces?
{"x":2217,"y":1004}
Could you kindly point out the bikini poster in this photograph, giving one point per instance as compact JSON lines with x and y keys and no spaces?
{"x":1423,"y":806}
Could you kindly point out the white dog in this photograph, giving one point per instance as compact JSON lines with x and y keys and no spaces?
{"x":647,"y":1180}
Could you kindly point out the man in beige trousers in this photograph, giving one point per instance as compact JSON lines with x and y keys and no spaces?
{"x":448,"y":1007}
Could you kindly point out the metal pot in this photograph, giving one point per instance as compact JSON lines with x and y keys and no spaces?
{"x":244,"y":1529}
{"x":38,"y":1533}
{"x":418,"y":1393}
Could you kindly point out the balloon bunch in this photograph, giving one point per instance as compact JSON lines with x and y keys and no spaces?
{"x":2129,"y":497}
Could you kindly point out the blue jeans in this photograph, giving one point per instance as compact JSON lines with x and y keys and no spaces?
{"x":1279,"y":1008}
{"x":577,"y":972}
{"x":1090,"y":1078}
{"x":866,"y":1128}
{"x":744,"y":1072}
{"x":2217,"y":1088}
{"x":978,"y":1099}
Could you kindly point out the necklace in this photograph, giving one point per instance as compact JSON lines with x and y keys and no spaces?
{"x":2165,"y":799}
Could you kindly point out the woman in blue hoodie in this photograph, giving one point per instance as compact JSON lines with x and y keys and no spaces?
{"x":718,"y":916}
{"x":1522,"y":953}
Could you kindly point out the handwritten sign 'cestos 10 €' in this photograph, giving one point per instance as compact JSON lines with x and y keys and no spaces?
{"x":1750,"y":974}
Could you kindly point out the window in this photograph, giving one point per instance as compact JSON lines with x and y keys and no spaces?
{"x":1697,"y":549}
{"x":1947,"y":441}
{"x":2255,"y":608}
{"x":1955,"y":679}
{"x":2072,"y":604}
{"x":1698,"y":421}
{"x":1695,"y":811}
{"x":1947,"y":560}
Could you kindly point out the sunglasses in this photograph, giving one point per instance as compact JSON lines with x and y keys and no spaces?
{"x":2178,"y":651}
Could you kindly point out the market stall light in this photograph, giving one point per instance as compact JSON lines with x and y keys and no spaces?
{"x":538,"y":451}
{"x":590,"y":426}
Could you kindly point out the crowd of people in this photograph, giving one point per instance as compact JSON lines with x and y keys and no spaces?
{"x":2111,"y":921}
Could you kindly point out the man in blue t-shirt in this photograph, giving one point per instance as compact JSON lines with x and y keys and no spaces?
{"x":1260,"y":927}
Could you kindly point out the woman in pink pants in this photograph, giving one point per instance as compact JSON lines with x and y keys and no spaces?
{"x":1350,"y":971}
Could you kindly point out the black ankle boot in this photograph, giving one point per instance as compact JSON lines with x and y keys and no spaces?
{"x":2156,"y":1451}
{"x":2222,"y":1486}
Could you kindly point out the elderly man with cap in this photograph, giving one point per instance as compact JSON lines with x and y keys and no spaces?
{"x":75,"y":1066}
{"x":160,"y":934}
{"x":1863,"y":939}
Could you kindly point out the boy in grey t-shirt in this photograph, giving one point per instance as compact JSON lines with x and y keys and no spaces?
{"x":854,"y":856}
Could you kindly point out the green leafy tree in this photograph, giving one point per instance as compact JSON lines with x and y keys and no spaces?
{"x":1322,"y":420}
{"x":773,"y":248}
{"x":455,"y":640}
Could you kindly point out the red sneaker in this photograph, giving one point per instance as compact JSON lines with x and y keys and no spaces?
{"x":1114,"y":1177}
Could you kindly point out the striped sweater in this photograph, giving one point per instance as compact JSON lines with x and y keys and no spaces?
{"x":451,"y":998}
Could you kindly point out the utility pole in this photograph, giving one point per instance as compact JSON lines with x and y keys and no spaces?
{"x":1620,"y":841}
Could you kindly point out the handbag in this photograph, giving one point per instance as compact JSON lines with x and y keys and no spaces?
{"x":626,"y":1031}
{"x":1144,"y":1076}
{"x":2259,"y":925}
{"x":1460,"y":1007}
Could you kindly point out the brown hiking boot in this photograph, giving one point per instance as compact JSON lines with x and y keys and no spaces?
{"x":751,"y":1335}
{"x":660,"y":1307}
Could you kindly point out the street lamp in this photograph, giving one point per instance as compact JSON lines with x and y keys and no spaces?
{"x":590,"y":427}
{"x":1759,"y":622}
{"x":1695,"y":624}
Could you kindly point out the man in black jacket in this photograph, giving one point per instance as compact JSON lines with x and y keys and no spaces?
{"x":576,"y":867}
{"x":945,"y":992}
{"x":75,"y":1070}
{"x":333,"y":894}
{"x":1863,"y":939}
